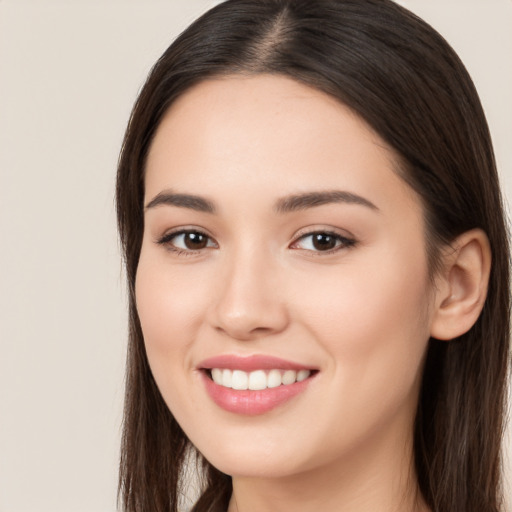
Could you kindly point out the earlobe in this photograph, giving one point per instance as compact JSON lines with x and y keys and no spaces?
{"x":462,"y":285}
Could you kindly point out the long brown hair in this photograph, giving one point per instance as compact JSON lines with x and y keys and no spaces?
{"x":403,"y":78}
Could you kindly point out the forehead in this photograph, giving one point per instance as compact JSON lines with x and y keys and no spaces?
{"x":267,"y":134}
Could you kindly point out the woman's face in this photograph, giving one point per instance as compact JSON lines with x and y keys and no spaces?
{"x":282,"y":252}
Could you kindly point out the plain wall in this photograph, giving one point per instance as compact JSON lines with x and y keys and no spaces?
{"x":69,"y":73}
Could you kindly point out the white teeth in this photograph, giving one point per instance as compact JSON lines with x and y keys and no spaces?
{"x":217,"y":375}
{"x":258,"y":379}
{"x":274,"y":379}
{"x":302,"y":375}
{"x":289,"y":377}
{"x":227,"y":378}
{"x":240,"y":380}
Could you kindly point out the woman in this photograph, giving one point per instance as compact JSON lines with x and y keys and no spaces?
{"x":318,"y":267}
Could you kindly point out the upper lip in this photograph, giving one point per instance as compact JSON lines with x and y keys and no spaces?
{"x":250,"y":363}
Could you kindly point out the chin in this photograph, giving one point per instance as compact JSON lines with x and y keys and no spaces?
{"x":252,"y":466}
{"x":254,"y":457}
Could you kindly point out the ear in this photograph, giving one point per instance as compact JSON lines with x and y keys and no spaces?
{"x":461,"y":285}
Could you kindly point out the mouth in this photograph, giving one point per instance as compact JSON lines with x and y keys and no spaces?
{"x":256,"y":380}
{"x":254,"y":385}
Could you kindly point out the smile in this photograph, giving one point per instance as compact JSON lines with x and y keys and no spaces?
{"x":257,"y":380}
{"x":254,"y":385}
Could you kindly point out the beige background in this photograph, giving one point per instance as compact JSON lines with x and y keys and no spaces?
{"x":69,"y":73}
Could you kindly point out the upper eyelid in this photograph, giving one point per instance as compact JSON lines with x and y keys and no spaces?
{"x":311,"y":230}
{"x":329,"y":233}
{"x":182,"y":230}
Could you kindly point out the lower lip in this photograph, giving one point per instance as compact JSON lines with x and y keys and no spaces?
{"x":251,"y":403}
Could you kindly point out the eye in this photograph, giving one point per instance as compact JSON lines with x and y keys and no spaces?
{"x":322,"y":241}
{"x":187,"y":241}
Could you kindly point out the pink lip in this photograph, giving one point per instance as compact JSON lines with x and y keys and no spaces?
{"x":247,"y":402}
{"x":250,"y":363}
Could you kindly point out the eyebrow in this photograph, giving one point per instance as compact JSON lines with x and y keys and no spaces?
{"x":312,"y":199}
{"x":192,"y":202}
{"x":286,"y":204}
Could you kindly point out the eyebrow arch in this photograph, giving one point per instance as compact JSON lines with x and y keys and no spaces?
{"x":312,"y":199}
{"x":192,"y":202}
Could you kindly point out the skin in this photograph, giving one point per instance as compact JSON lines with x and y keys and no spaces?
{"x":361,"y":314}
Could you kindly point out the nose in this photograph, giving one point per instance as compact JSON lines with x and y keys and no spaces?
{"x":250,"y":303}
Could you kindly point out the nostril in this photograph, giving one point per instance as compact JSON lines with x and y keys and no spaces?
{"x":246,"y":331}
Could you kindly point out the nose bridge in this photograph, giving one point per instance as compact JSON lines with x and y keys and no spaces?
{"x":250,"y":302}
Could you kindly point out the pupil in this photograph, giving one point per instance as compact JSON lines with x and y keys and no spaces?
{"x":195,"y":241}
{"x":324,"y":242}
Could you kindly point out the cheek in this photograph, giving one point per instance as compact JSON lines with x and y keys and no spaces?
{"x":168,"y":311}
{"x":373,"y":322}
{"x":370,"y":326}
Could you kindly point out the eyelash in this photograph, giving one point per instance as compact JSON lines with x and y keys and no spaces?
{"x":342,"y":242}
{"x":167,"y":239}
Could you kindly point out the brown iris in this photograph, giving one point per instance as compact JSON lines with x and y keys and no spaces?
{"x":324,"y":241}
{"x":195,"y":241}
